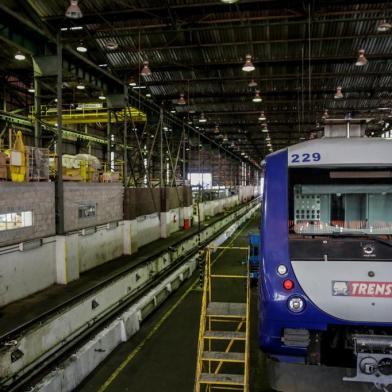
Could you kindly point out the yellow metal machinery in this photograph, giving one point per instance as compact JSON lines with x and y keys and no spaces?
{"x":87,"y":114}
{"x":216,"y":344}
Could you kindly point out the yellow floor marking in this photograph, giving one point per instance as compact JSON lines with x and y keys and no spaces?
{"x":133,"y":354}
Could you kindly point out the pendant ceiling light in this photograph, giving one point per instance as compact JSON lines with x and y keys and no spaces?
{"x":257,"y":97}
{"x":361,"y":60}
{"x":81,"y":48}
{"x":325,"y":115}
{"x":264,"y":129}
{"x":248,"y":66}
{"x":338,"y":94}
{"x":252,"y":83}
{"x":202,"y":118}
{"x":146,"y":71}
{"x":216,"y":130}
{"x":111,"y":44}
{"x":73,"y":11}
{"x":132,"y":82}
{"x":80,"y":85}
{"x":31,"y":89}
{"x":262,"y":116}
{"x":181,"y":100}
{"x":102,"y":96}
{"x":19,"y":56}
{"x":384,"y":26}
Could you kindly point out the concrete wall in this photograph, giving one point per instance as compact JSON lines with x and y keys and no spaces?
{"x":247,"y":193}
{"x":211,"y":208}
{"x":36,"y":197}
{"x":147,"y":229}
{"x":107,"y":197}
{"x":100,"y":247}
{"x":23,"y":273}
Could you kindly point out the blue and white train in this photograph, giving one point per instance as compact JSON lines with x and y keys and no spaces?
{"x":326,"y":256}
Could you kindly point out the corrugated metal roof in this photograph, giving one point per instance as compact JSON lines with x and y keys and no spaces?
{"x":197,"y":47}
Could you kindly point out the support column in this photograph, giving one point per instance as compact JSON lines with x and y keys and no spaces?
{"x":59,"y":140}
{"x":125,"y":158}
{"x":109,"y":141}
{"x":37,"y":111}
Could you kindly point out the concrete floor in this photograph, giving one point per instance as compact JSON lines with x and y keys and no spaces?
{"x":162,"y":356}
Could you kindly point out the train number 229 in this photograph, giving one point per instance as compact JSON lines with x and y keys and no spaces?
{"x":297,"y":158}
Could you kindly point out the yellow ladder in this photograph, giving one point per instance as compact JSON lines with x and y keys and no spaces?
{"x":235,"y":315}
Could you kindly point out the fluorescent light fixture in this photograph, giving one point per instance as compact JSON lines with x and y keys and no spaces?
{"x":248,"y":66}
{"x":384,"y":26}
{"x":19,"y":56}
{"x":148,"y":95}
{"x":76,"y":28}
{"x":139,"y":87}
{"x":361,"y":60}
{"x":73,"y":11}
{"x":257,"y":97}
{"x":181,"y":100}
{"x":104,"y":65}
{"x":202,"y":118}
{"x":146,"y":71}
{"x":81,"y":48}
{"x":338,"y":94}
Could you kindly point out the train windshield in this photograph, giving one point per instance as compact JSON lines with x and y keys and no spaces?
{"x":340,"y":202}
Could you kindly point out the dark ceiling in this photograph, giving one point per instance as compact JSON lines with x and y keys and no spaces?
{"x":302,"y":51}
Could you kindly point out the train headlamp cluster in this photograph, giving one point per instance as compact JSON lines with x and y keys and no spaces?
{"x":296,"y":304}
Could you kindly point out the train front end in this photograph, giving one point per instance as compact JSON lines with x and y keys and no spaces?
{"x":326,"y":256}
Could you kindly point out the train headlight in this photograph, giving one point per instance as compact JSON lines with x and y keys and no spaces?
{"x":296,"y":304}
{"x":282,"y":270}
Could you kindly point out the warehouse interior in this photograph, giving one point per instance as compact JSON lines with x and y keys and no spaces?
{"x":133,"y":135}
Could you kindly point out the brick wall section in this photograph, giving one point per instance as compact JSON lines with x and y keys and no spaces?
{"x":38,"y":197}
{"x":107,"y":197}
{"x":145,"y":201}
{"x":141,"y":201}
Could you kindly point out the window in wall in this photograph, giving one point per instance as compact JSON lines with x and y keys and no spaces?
{"x":87,"y":210}
{"x":16,"y":220}
{"x":202,"y":179}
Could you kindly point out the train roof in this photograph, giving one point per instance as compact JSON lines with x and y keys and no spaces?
{"x":335,"y":152}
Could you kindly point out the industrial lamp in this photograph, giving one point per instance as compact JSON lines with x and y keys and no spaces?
{"x":202,"y":118}
{"x":181,"y":100}
{"x":19,"y":56}
{"x":146,"y":71}
{"x":248,"y":66}
{"x":361,"y":60}
{"x":81,"y":48}
{"x":73,"y":11}
{"x":338,"y":94}
{"x":384,"y":26}
{"x":257,"y":97}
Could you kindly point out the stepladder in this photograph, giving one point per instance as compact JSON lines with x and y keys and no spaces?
{"x":223,"y":345}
